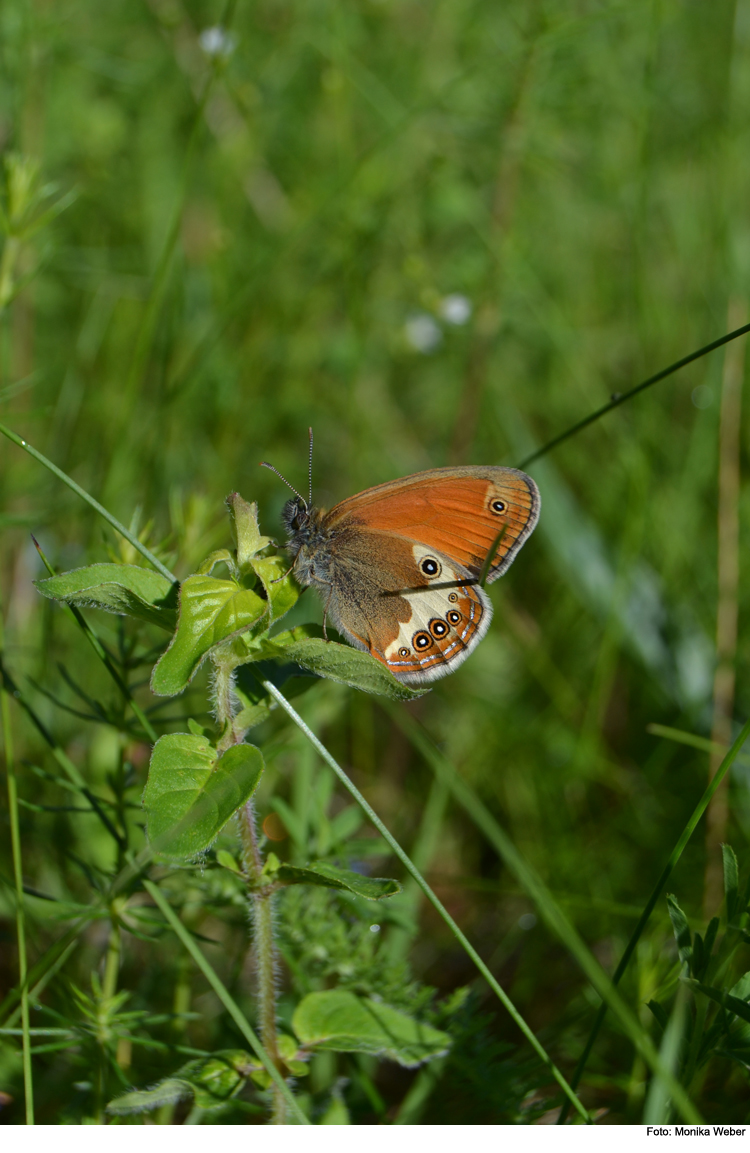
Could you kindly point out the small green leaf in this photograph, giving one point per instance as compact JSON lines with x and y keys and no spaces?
{"x":218,"y":1078}
{"x":227,"y":861}
{"x":339,"y":1020}
{"x":210,"y":611}
{"x":731,"y":880}
{"x":190,"y":795}
{"x":167,"y":1092}
{"x":282,"y":591}
{"x":735,"y":1005}
{"x":125,"y":589}
{"x":219,"y":556}
{"x":711,"y":931}
{"x":331,"y":877}
{"x":681,"y":930}
{"x":659,"y":1012}
{"x":244,"y":518}
{"x":742,"y":988}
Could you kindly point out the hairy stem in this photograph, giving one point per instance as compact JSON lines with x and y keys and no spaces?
{"x":261,"y":907}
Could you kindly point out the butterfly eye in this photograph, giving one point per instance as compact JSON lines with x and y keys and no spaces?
{"x":421,"y":640}
{"x":498,"y":506}
{"x":403,"y":652}
{"x":454,"y":617}
{"x":453,"y":597}
{"x":429,"y":566}
{"x":438,"y":628}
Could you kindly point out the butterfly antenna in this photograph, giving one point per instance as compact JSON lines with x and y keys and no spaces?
{"x":265,"y":464}
{"x":309,"y":470}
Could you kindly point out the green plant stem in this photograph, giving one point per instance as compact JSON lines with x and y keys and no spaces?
{"x":11,"y":250}
{"x":112,"y":960}
{"x":260,"y":898}
{"x":15,"y":840}
{"x":432,"y":898}
{"x":227,"y":1001}
{"x":622,"y":397}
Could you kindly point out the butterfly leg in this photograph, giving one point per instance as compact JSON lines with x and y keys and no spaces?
{"x":325,"y":613}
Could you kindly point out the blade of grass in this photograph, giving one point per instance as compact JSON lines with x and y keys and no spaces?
{"x":15,"y":841}
{"x":226,"y":999}
{"x":546,"y":904}
{"x":431,"y":897}
{"x":16,"y":439}
{"x":648,"y":909}
{"x":620,"y":398}
{"x":683,"y":738}
{"x":657,"y":1108}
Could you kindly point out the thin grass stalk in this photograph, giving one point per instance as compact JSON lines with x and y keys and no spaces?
{"x":227,"y":1001}
{"x":728,"y":580}
{"x":432,"y":898}
{"x":15,"y":840}
{"x":551,"y":912}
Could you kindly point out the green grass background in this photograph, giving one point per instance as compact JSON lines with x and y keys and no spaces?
{"x":242,"y":259}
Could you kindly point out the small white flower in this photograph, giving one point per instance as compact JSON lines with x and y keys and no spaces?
{"x":374,"y":928}
{"x":423,"y":333}
{"x":455,"y":309}
{"x":217,"y":42}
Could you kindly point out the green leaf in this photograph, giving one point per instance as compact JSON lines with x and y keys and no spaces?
{"x":209,"y":1080}
{"x":742,"y":988}
{"x":218,"y":556}
{"x":219,"y":1077}
{"x":339,"y":1020}
{"x":681,"y":930}
{"x":167,"y":1092}
{"x":125,"y":589}
{"x":190,"y":795}
{"x":731,"y":880}
{"x":659,"y":1012}
{"x":247,"y":535}
{"x":282,"y":591}
{"x":340,"y":663}
{"x":734,"y":1005}
{"x":211,"y":611}
{"x":331,"y":877}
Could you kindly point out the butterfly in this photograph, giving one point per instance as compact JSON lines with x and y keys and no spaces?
{"x":398,"y":566}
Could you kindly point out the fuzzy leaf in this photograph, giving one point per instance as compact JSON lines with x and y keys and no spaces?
{"x":125,"y":589}
{"x":331,"y":877}
{"x":282,"y":591}
{"x":167,"y":1092}
{"x":337,"y":1019}
{"x":211,"y":610}
{"x":731,"y":880}
{"x":340,"y":663}
{"x":247,"y":534}
{"x":190,"y":795}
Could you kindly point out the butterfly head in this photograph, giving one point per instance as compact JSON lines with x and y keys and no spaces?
{"x":296,"y":516}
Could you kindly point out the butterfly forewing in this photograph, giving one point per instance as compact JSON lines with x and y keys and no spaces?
{"x":457,"y":511}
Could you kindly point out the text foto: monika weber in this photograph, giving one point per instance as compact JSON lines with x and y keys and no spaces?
{"x":695,"y":1131}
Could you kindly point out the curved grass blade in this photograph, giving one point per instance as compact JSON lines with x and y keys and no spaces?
{"x":549,"y":910}
{"x":432,"y":898}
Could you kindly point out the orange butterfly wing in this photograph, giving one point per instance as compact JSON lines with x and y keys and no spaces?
{"x":457,"y":511}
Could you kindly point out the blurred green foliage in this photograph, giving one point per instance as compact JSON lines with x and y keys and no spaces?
{"x":437,"y":233}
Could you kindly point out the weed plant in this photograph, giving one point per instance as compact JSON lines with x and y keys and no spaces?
{"x":245,"y":876}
